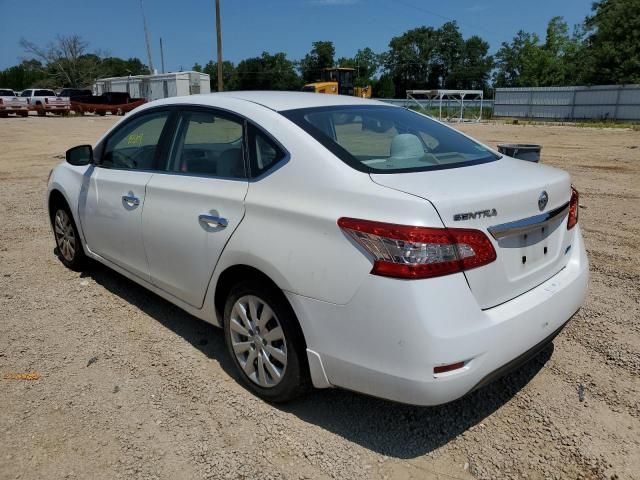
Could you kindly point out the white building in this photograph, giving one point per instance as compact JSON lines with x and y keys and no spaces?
{"x":153,"y":87}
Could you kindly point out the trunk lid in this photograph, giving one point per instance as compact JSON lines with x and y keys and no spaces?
{"x":531,"y":243}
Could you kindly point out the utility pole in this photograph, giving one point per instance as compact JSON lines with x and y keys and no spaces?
{"x":146,"y":38}
{"x":219,"y":35}
{"x":161,"y":55}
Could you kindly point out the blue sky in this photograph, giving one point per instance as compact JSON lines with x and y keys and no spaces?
{"x":252,"y":26}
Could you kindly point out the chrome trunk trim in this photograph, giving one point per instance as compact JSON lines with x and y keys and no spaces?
{"x":526,"y":225}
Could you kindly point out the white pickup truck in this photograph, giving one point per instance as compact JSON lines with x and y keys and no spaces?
{"x":11,"y":103}
{"x":44,"y":100}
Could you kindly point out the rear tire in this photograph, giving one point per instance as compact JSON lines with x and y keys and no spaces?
{"x":265,"y":342}
{"x":65,"y":232}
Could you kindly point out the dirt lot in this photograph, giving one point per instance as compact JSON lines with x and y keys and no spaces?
{"x":132,"y":387}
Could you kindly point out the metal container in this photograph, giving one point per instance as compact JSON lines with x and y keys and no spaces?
{"x":528,"y":152}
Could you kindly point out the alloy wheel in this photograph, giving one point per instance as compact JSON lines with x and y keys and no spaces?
{"x":65,"y":235}
{"x":258,"y":341}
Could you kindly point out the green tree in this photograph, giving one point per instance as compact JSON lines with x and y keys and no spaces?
{"x":516,"y":62}
{"x":229,"y":75}
{"x":196,"y":67}
{"x":268,"y":72}
{"x":613,"y":42}
{"x":408,"y":61}
{"x":526,"y":62}
{"x":447,"y":56}
{"x":29,"y":73}
{"x":474,"y":69}
{"x":366,"y":64}
{"x":321,"y":56}
{"x":118,"y":67}
{"x":383,"y":87}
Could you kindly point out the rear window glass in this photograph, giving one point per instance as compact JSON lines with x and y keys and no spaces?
{"x":45,"y":93}
{"x":6,"y":93}
{"x":380,"y":139}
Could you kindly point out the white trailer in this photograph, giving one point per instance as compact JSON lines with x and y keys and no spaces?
{"x":154,"y":87}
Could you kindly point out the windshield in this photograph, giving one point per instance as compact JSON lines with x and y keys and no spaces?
{"x":381,"y":139}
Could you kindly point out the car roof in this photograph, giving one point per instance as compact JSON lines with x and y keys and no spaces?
{"x":277,"y":101}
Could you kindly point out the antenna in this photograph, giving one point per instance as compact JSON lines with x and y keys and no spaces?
{"x":146,"y":38}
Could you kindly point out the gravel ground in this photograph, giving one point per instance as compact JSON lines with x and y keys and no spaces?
{"x":132,"y":387}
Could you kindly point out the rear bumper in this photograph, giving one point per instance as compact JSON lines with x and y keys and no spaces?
{"x":387,"y":340}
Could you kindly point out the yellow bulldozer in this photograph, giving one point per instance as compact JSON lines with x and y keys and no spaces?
{"x":338,"y":81}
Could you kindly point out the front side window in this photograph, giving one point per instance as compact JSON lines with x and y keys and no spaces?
{"x":380,"y":139}
{"x":26,"y":93}
{"x":208,"y":143}
{"x":135,"y":145}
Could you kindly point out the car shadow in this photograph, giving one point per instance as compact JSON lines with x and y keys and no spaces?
{"x":388,"y":428}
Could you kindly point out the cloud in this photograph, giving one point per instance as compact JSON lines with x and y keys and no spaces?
{"x":332,"y":3}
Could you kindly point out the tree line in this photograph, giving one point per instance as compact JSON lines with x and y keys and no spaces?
{"x":604,"y":49}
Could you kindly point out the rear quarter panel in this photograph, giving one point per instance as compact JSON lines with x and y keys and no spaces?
{"x":290,"y":232}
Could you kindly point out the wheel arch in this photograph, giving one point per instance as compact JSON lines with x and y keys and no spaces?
{"x":234,"y":274}
{"x":56,"y":197}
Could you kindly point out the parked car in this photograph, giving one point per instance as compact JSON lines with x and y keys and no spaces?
{"x":73,"y":93}
{"x":114,"y":102}
{"x":11,"y":103}
{"x":44,"y":100}
{"x":338,"y":241}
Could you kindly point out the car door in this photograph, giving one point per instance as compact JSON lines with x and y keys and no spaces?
{"x":194,"y":206}
{"x":111,"y":208}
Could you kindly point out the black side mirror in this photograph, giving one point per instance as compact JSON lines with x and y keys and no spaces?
{"x":80,"y":155}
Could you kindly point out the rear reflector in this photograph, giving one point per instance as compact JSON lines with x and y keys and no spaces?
{"x":448,"y":368}
{"x":572,"y":219}
{"x":403,"y":251}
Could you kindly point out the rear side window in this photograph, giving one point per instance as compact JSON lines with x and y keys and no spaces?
{"x":208,"y":143}
{"x":135,"y":145}
{"x":264,"y":153}
{"x":385,"y":139}
{"x":26,"y":93}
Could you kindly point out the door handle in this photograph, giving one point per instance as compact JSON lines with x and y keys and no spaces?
{"x":211,"y":221}
{"x":131,"y":200}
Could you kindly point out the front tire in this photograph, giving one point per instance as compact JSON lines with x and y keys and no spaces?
{"x":70,"y":251}
{"x":265,"y":342}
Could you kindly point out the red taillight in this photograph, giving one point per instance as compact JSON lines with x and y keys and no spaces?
{"x":572,"y":220}
{"x":403,"y":251}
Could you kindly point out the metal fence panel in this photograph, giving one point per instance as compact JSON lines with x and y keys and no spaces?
{"x":612,"y":102}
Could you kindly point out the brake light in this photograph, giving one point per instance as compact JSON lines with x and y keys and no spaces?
{"x":403,"y":251}
{"x":572,"y":220}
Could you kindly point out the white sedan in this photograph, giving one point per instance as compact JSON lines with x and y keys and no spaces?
{"x":338,"y":241}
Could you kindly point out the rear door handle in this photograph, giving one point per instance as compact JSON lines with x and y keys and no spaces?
{"x":211,"y":221}
{"x":131,"y":200}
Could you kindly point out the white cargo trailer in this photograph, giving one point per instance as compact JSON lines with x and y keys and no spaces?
{"x":153,"y":87}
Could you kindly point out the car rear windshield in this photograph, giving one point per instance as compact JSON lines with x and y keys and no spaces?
{"x":45,"y":93}
{"x":381,"y":139}
{"x":6,"y":93}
